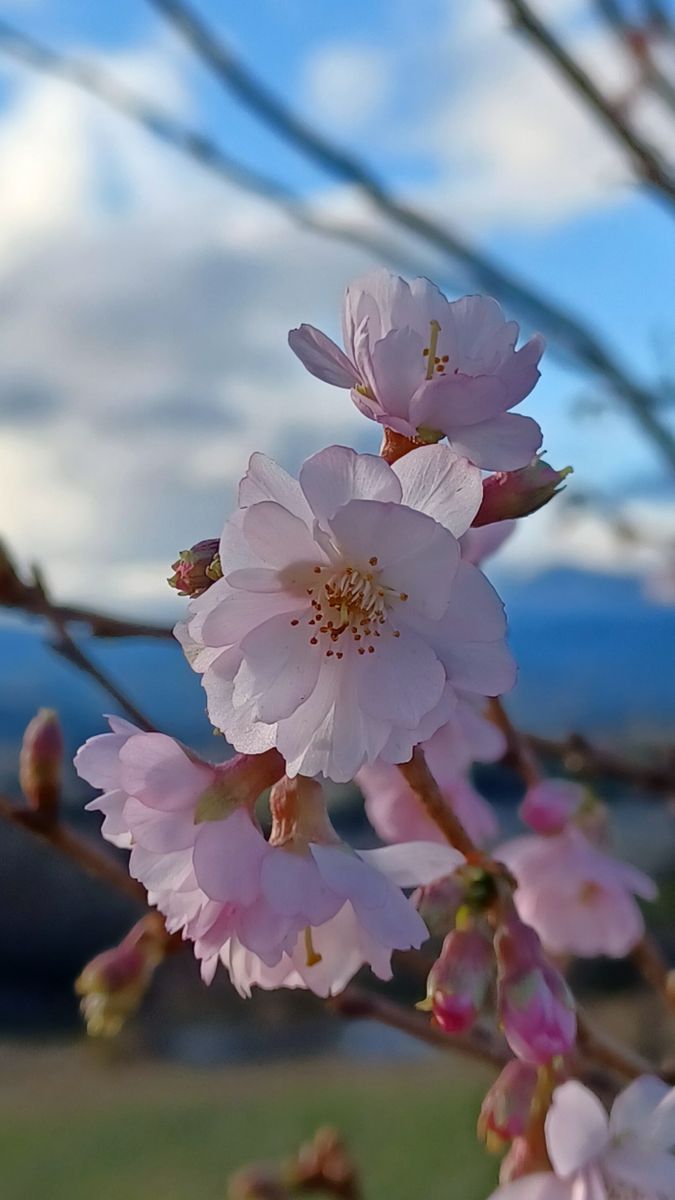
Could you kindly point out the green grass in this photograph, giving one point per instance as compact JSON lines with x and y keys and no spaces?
{"x":72,"y":1128}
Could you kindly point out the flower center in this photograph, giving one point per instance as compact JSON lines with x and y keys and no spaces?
{"x":350,"y":604}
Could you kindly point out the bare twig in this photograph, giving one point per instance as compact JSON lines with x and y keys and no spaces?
{"x":636,"y":41}
{"x":28,"y":597}
{"x":79,"y":851}
{"x":519,"y":750}
{"x":603,"y":1051}
{"x":358,"y":1003}
{"x":579,"y":757}
{"x":419,"y":778}
{"x":645,"y":159}
{"x":654,"y":969}
{"x":571,"y":336}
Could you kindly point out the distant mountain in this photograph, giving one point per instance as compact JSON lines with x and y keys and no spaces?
{"x":593,"y":654}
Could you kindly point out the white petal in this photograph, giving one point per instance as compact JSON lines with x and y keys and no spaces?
{"x":534,"y":1187}
{"x":401,"y":681}
{"x":436,"y":481}
{"x":650,"y":1173}
{"x":635,"y":1105}
{"x":577,"y":1129}
{"x":338,"y":474}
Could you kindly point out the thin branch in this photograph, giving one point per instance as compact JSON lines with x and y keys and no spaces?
{"x":359,"y":1004}
{"x":27,"y":596}
{"x":654,"y":969}
{"x":418,"y":777}
{"x":645,"y":159}
{"x":649,"y":71}
{"x":77,"y":849}
{"x":579,"y":757}
{"x":64,"y":644}
{"x":571,"y":335}
{"x":605,"y":1052}
{"x":518,"y":748}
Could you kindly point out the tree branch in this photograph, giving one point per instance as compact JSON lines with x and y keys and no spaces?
{"x":649,"y":71}
{"x":77,"y":849}
{"x":571,"y":335}
{"x":645,"y":159}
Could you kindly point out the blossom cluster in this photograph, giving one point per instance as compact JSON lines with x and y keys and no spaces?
{"x":343,"y":627}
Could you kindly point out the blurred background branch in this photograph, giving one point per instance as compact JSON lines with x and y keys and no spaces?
{"x":569,"y":335}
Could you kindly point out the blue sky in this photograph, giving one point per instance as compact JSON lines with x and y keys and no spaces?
{"x":136,"y":280}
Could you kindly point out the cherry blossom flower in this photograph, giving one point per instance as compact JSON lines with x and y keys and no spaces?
{"x":267,"y":909}
{"x":627,"y":1156}
{"x":579,"y":899}
{"x":505,"y":1111}
{"x":427,"y":367}
{"x":346,"y":624}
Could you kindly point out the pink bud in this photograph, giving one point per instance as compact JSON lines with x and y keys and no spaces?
{"x":536,"y":1007}
{"x":40,"y":764}
{"x":196,"y":569}
{"x":114,"y":983}
{"x":508,"y":494}
{"x":549,"y":805}
{"x":459,"y":979}
{"x":505,"y":1111}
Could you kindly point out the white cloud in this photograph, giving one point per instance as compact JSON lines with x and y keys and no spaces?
{"x":346,"y":84}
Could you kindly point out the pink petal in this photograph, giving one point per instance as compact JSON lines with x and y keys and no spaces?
{"x":266,"y":480}
{"x":636,"y":1106}
{"x":414,"y":863}
{"x":437,"y":482}
{"x":401,"y":681}
{"x":451,"y":402}
{"x":158,"y":772}
{"x":503,"y":443}
{"x":394,"y":370}
{"x":228,"y":857}
{"x":280,"y":668}
{"x":322,"y":357}
{"x":277,"y":537}
{"x":293,"y":886}
{"x":645,"y":1171}
{"x":338,"y":474}
{"x":241,"y":611}
{"x":487,"y":668}
{"x":481,"y":543}
{"x":98,"y":760}
{"x":348,"y":876}
{"x":536,"y":1187}
{"x":475,"y":611}
{"x":416,"y":556}
{"x":577,"y":1129}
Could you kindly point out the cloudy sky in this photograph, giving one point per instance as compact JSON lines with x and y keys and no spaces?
{"x":145,"y":305}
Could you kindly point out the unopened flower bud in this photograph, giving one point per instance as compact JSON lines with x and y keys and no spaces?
{"x":196,"y":569}
{"x":536,"y":1007}
{"x":549,"y":805}
{"x":114,"y":983}
{"x":40,"y":764}
{"x":459,"y":979}
{"x":505,"y":1111}
{"x":508,"y":494}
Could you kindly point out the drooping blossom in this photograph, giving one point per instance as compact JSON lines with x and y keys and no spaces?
{"x":272,"y":910}
{"x":626,"y":1156}
{"x":460,"y":978}
{"x":346,"y":623}
{"x":536,"y":1008}
{"x":505,"y":1111}
{"x":427,"y":367}
{"x":579,"y":899}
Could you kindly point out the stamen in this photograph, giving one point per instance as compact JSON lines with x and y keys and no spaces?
{"x":311,"y":955}
{"x":435,"y":329}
